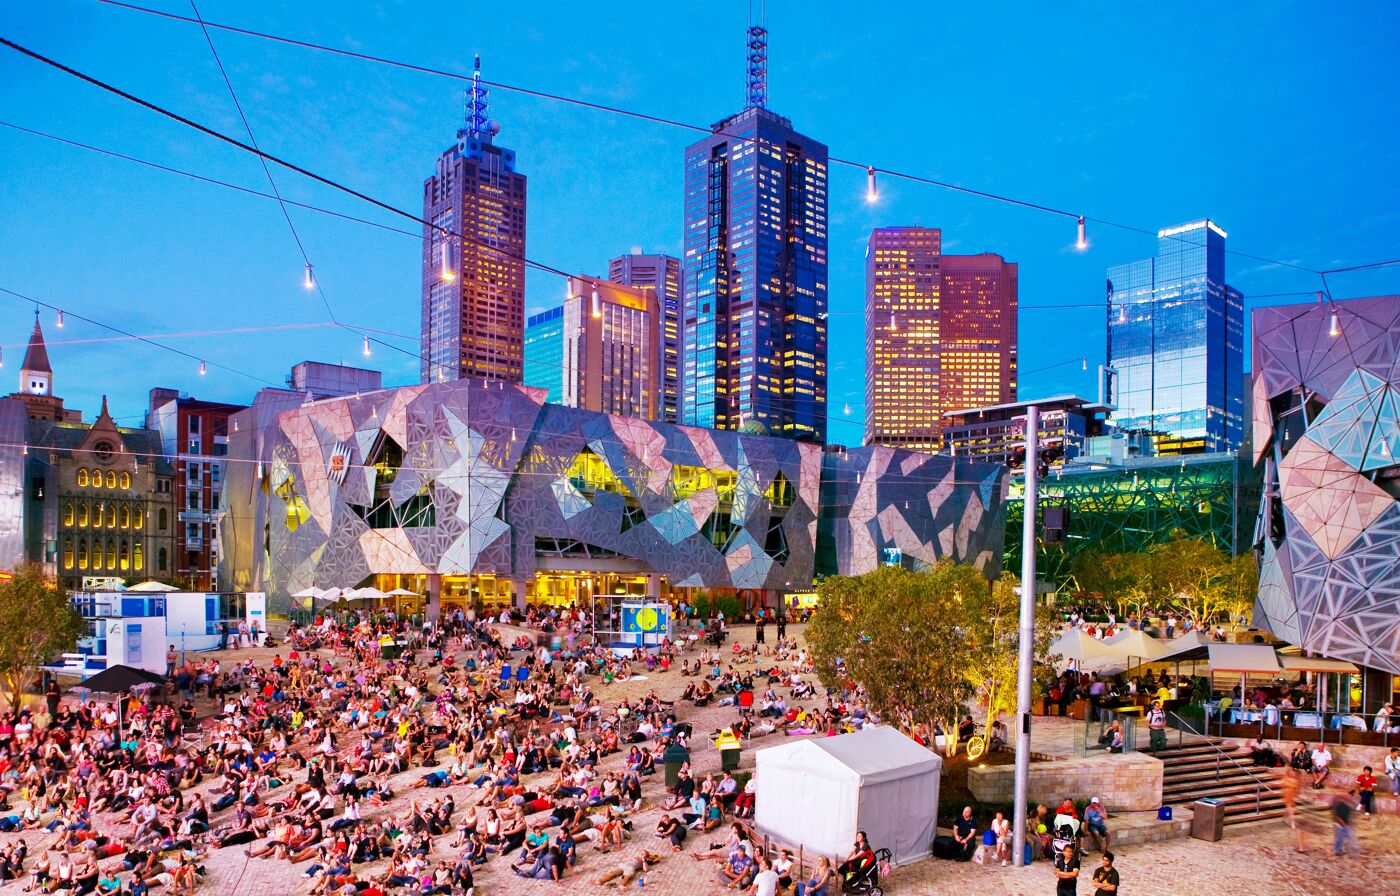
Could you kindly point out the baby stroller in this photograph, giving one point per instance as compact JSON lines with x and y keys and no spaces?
{"x":1066,"y":833}
{"x":865,"y":880}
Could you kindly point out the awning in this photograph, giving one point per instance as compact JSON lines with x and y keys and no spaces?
{"x":1258,"y":659}
{"x":1317,"y":664}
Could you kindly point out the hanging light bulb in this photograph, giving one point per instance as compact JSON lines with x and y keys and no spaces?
{"x":260,"y":470}
{"x":308,"y":281}
{"x":1083,"y":363}
{"x":847,"y":410}
{"x":203,"y":368}
{"x":447,"y":274}
{"x":365,"y":349}
{"x":60,"y":318}
{"x":2,"y":357}
{"x":597,"y":304}
{"x":1335,"y":329}
{"x":1082,"y":243}
{"x":872,"y":191}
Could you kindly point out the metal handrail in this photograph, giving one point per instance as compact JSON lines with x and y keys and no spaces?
{"x":1258,"y":782}
{"x":1389,"y":737}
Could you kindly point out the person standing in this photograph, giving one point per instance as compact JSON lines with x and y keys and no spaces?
{"x":170,"y":658}
{"x":1392,"y":770}
{"x":1156,"y":727}
{"x":1342,"y":831}
{"x":1067,"y":872}
{"x":782,"y":625}
{"x":1106,"y":877}
{"x":759,"y":628}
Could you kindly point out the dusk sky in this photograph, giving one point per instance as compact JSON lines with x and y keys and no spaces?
{"x":1276,"y":120}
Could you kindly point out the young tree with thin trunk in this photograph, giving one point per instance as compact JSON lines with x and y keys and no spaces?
{"x":37,"y":623}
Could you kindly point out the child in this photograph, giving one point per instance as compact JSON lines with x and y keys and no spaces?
{"x":1366,"y":783}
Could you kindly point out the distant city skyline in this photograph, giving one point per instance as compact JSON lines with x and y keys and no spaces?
{"x":187,"y":251}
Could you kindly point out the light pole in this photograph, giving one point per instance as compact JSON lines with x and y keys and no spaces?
{"x":1027,"y":642}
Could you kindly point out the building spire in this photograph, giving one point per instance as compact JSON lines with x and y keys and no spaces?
{"x":36,"y":357}
{"x":474,"y":103}
{"x":758,"y":66}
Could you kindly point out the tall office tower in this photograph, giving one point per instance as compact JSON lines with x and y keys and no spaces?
{"x":753,"y":327}
{"x":901,"y":337}
{"x":600,"y":350}
{"x":474,"y":255}
{"x":940,"y":335}
{"x":544,"y":352}
{"x":663,"y":274}
{"x":1176,"y":338}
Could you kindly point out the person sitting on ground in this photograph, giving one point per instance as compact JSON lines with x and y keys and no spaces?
{"x":668,"y":828}
{"x":738,"y":871}
{"x":1261,"y":753}
{"x":1096,"y":825}
{"x":1321,"y":766}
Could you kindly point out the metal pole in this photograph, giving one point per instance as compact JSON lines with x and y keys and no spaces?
{"x":1024,"y":658}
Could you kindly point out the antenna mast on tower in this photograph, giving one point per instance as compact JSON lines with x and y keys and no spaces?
{"x":758,"y":63}
{"x":477,"y":125}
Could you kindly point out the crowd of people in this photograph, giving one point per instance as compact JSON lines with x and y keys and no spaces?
{"x":468,"y":754}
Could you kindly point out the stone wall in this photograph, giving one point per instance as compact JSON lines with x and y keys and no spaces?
{"x":1128,"y":781}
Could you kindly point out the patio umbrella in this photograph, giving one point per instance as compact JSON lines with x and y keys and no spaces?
{"x":119,"y":679}
{"x":153,"y":585}
{"x":369,"y":592}
{"x":1080,"y":646}
{"x":403,"y":592}
{"x":308,"y":592}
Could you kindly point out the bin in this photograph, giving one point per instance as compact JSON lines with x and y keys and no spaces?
{"x":728,"y":746}
{"x":1208,"y":819}
{"x":674,"y":757}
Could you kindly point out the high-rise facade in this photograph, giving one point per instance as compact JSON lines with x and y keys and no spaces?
{"x":753,"y":327}
{"x":600,"y":350}
{"x":661,"y":273}
{"x":1176,"y":339}
{"x":474,"y":255}
{"x":940,"y":335}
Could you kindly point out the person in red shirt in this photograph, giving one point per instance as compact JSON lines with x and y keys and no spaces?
{"x":1067,"y":808}
{"x":1366,"y":783}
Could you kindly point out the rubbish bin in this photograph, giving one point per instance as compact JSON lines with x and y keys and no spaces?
{"x":674,"y":757}
{"x":728,"y":746}
{"x":1208,"y":819}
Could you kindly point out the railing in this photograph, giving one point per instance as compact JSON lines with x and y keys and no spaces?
{"x":1306,"y":725}
{"x":1096,"y":726}
{"x":1174,"y":720}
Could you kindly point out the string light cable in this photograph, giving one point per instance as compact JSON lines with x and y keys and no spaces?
{"x":868,"y":169}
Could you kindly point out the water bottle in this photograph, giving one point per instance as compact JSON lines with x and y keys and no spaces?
{"x":641,"y":882}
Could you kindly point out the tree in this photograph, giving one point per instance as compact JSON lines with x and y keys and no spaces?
{"x":37,"y":622}
{"x":1124,"y":579}
{"x":993,"y":620}
{"x":923,"y":645}
{"x":1194,"y":577}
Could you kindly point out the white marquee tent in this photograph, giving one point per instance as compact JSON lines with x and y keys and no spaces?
{"x":817,"y":793}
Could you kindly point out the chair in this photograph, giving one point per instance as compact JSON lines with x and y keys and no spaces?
{"x":522,"y":674}
{"x":506,"y":672}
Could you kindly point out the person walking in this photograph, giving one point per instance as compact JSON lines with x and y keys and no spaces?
{"x":1343,"y":834}
{"x":1156,"y":727}
{"x":1106,"y":877}
{"x":1067,"y":871}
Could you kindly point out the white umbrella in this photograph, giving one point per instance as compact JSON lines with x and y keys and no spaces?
{"x":330,"y":595}
{"x":1077,"y":644}
{"x":308,"y":592}
{"x":403,"y":592}
{"x":153,"y":586}
{"x":369,"y":592}
{"x":1135,"y":643}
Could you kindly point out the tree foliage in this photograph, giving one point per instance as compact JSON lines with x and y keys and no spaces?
{"x":924,"y":645}
{"x":1185,"y":575}
{"x":37,"y":623}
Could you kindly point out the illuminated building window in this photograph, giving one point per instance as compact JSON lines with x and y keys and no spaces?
{"x":82,"y":477}
{"x":138,"y":557}
{"x":111,"y":478}
{"x":126,"y":517}
{"x":67,"y":554}
{"x":126,"y":480}
{"x":68,"y":514}
{"x":82,"y":515}
{"x":82,"y":554}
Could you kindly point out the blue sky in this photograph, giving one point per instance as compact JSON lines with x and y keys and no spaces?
{"x":1273,"y":119}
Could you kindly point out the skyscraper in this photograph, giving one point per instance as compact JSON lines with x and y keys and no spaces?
{"x":1176,"y":338}
{"x":940,"y":335}
{"x":754,"y":329}
{"x":474,"y":285}
{"x":661,"y":273}
{"x":600,"y":350}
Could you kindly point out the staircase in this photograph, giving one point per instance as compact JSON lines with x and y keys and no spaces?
{"x":1197,"y":769}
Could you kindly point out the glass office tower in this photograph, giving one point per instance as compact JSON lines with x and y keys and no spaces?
{"x":544,"y":352}
{"x":1175,"y":336}
{"x":661,"y":273}
{"x":754,"y":328}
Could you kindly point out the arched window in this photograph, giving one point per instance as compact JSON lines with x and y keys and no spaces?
{"x":67,"y":554}
{"x":162,"y":523}
{"x":161,"y":560}
{"x":82,"y":477}
{"x":83,"y":514}
{"x":111,"y":555}
{"x":112,"y":515}
{"x":68,"y":515}
{"x":138,"y":517}
{"x":111,"y":478}
{"x":126,"y":516}
{"x":82,"y":553}
{"x":96,"y":478}
{"x":124,"y":557}
{"x":126,"y":480}
{"x":138,"y":557}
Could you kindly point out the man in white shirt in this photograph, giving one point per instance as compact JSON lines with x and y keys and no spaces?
{"x":1322,"y":763}
{"x":1392,"y":770}
{"x":765,"y":882}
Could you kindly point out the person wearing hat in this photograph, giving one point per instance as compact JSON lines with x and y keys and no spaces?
{"x":1096,"y":825}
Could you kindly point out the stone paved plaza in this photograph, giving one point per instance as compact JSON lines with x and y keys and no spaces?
{"x":1253,"y":859}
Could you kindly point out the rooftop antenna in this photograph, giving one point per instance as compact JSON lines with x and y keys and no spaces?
{"x":758,"y":62}
{"x":474,"y":103}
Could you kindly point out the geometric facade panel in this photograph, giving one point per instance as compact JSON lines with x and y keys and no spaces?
{"x":477,"y":477}
{"x":1327,"y":435}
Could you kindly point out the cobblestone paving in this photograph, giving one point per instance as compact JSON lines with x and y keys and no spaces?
{"x":1254,"y":859}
